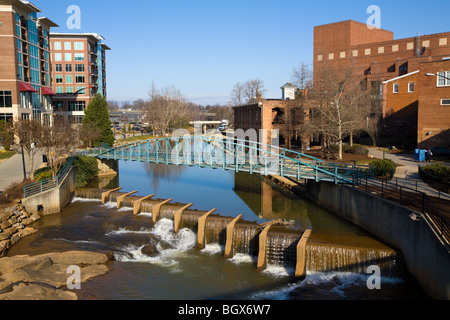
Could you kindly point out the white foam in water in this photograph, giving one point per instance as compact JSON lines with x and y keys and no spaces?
{"x":76,"y":199}
{"x":337,"y":281}
{"x":182,"y":242}
{"x":278,"y":271}
{"x":241,"y":258}
{"x":212,"y":249}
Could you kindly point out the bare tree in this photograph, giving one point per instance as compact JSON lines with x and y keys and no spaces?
{"x":302,"y":77}
{"x":28,"y":133}
{"x":340,"y":97}
{"x":242,"y":93}
{"x":59,"y":142}
{"x":167,"y":108}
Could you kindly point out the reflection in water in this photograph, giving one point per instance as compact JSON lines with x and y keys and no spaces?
{"x":178,"y":272}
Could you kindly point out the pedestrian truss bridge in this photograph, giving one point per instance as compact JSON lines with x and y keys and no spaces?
{"x":236,"y":155}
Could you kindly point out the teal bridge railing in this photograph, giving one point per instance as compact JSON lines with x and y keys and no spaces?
{"x":237,"y":155}
{"x":48,"y":184}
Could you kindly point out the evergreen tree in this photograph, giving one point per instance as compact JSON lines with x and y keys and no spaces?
{"x":97,"y":115}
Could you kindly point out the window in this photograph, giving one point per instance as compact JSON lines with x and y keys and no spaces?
{"x":7,"y":117}
{"x":59,"y":90}
{"x":445,"y":102}
{"x":69,"y":79}
{"x":81,"y":90}
{"x":68,"y":57}
{"x":78,"y":45}
{"x":411,"y":87}
{"x":58,"y":67}
{"x":79,"y":56}
{"x":68,"y":68}
{"x":67,"y":46}
{"x":57,"y":45}
{"x":5,"y":99}
{"x":396,"y":88}
{"x":69,"y":90}
{"x":77,"y":106}
{"x":368,"y":52}
{"x":59,"y":78}
{"x":80,"y":79}
{"x":443,"y":79}
{"x":79,"y":68}
{"x":58,"y":106}
{"x":58,"y":56}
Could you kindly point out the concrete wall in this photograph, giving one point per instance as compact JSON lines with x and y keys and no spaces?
{"x":426,"y":258}
{"x":107,"y":167}
{"x":53,"y":201}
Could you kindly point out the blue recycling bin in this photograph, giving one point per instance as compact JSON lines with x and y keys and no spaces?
{"x":420,"y":155}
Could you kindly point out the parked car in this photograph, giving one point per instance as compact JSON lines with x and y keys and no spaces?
{"x":440,"y":152}
{"x":223,"y":127}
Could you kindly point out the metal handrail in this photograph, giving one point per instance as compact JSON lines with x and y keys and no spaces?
{"x":343,"y":173}
{"x":410,"y":198}
{"x":48,"y":184}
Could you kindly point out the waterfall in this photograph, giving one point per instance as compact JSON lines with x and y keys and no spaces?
{"x":282,"y":249}
{"x":329,"y":258}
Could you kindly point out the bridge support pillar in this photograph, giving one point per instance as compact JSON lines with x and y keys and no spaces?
{"x":300,"y":269}
{"x":229,"y":242}
{"x":201,"y":241}
{"x":107,"y":167}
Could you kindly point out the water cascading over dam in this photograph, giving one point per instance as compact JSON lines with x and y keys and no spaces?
{"x":280,"y":247}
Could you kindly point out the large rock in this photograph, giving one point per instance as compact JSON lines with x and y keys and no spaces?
{"x":150,"y":250}
{"x":46,"y":275}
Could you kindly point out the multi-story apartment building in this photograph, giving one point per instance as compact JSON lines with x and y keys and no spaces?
{"x":25,"y":79}
{"x":78,"y":72}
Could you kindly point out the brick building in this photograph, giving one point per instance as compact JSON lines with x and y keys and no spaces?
{"x":265,"y":114}
{"x":392,"y":67}
{"x":78,"y":72}
{"x":433,"y":127}
{"x":25,"y":79}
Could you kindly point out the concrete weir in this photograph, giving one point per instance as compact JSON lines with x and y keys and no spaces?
{"x":237,"y":235}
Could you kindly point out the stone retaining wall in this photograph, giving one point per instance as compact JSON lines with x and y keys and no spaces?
{"x":14,"y":224}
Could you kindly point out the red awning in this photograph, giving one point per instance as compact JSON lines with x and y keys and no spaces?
{"x":46,"y":91}
{"x":26,"y":87}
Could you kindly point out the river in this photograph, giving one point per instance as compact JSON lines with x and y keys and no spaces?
{"x":181,"y":272}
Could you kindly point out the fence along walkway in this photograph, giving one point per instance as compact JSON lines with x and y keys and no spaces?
{"x":48,"y":184}
{"x":418,"y":201}
{"x":236,"y":155}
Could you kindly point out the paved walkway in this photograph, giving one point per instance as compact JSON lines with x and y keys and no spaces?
{"x":407,"y":173}
{"x":11,"y":171}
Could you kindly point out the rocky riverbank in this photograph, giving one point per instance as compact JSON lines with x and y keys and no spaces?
{"x":14,"y":225}
{"x":42,"y":277}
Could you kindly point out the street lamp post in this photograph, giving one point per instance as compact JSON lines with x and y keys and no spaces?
{"x":433,"y":75}
{"x":23,"y":162}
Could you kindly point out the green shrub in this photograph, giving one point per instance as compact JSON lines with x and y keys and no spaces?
{"x":439,"y":172}
{"x":358,"y":149}
{"x":87,"y":170}
{"x":43,"y":174}
{"x":384,"y":167}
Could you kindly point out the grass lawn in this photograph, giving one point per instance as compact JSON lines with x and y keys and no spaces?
{"x":135,"y":138}
{"x":5,"y":155}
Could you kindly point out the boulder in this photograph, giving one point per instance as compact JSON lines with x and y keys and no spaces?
{"x":150,"y":250}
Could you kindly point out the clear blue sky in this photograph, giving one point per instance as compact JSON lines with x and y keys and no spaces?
{"x":204,"y":47}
